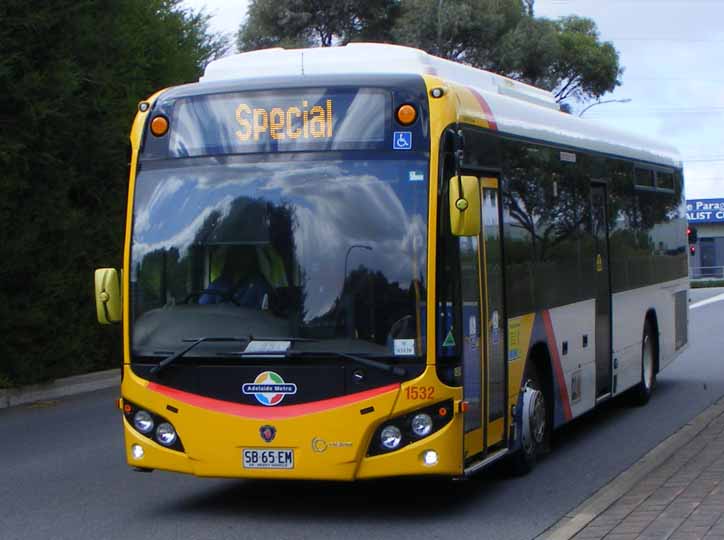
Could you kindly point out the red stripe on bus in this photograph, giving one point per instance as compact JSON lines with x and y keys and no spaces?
{"x":486,"y":109}
{"x":557,"y":369}
{"x":262,"y":412}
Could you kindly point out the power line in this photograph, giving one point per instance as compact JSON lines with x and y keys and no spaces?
{"x":665,"y":39}
{"x":684,"y":79}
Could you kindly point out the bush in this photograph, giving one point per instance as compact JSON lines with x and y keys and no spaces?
{"x":72,"y":72}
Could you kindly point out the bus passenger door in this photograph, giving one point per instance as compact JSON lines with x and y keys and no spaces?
{"x":491,"y":291}
{"x":484,"y":365}
{"x":599,"y":231}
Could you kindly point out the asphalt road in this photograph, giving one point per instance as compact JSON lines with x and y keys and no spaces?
{"x":63,"y":474}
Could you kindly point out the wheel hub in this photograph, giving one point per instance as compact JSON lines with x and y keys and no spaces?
{"x":534,"y":418}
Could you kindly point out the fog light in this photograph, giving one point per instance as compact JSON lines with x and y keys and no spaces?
{"x":421,"y":424}
{"x":143,"y":421}
{"x":391,"y":437}
{"x":430,"y":458}
{"x":137,"y":451}
{"x":166,"y":434}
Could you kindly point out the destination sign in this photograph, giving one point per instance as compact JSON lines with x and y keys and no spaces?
{"x":278,"y":121}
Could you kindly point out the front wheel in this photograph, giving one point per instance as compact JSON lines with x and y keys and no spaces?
{"x":642,"y":392}
{"x":535,"y":431}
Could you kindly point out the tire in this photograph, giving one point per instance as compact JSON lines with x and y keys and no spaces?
{"x":649,"y":346}
{"x":525,"y":459}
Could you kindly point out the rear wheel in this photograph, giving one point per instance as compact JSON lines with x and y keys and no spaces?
{"x":642,"y":392}
{"x":535,"y":429}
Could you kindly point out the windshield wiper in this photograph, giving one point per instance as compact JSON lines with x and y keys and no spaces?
{"x":198,"y":341}
{"x":364,"y":360}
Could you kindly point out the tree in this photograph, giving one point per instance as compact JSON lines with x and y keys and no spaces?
{"x":72,"y":73}
{"x":461,"y":30}
{"x":564,"y":56}
{"x":308,"y":23}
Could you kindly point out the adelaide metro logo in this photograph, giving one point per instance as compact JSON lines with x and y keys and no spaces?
{"x":269,"y":388}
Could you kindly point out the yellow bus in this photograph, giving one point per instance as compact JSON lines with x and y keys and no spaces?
{"x":366,"y":261}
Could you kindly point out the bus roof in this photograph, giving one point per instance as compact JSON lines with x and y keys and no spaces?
{"x":519,"y":109}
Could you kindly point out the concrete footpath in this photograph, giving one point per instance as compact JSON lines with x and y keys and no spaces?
{"x":675,"y":492}
{"x":59,"y":388}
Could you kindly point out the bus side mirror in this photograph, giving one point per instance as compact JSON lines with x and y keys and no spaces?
{"x":108,"y":295}
{"x":465,"y":206}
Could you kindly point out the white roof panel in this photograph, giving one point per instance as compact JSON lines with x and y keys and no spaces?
{"x":519,"y":109}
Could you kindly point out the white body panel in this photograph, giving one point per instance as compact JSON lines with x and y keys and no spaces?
{"x":629,"y":312}
{"x":570,"y":324}
{"x":629,"y":308}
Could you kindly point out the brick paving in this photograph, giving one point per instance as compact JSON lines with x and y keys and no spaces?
{"x":682,"y":499}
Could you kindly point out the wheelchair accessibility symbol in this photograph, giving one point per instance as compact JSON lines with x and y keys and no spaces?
{"x":402,"y":140}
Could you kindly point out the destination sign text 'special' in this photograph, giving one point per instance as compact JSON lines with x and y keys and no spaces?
{"x":292,"y":122}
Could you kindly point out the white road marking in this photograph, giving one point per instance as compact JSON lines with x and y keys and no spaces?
{"x":717,"y":298}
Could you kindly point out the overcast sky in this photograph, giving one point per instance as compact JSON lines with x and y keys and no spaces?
{"x":673,"y":54}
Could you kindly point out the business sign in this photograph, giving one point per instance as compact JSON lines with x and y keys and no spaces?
{"x":705,"y":210}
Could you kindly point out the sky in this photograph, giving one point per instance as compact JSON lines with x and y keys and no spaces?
{"x":673,"y":55}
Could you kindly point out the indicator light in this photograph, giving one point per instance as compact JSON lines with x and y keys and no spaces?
{"x":159,"y":126}
{"x":406,"y":114}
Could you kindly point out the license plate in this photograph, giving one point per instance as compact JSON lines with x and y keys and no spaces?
{"x":268,"y":458}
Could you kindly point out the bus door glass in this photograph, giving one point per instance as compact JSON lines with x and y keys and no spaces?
{"x":603,"y":291}
{"x":491,"y":264}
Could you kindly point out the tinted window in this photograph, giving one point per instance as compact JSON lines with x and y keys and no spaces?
{"x":644,"y":178}
{"x":664,"y":180}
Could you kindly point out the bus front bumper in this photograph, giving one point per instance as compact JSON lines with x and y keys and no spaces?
{"x":327,"y":445}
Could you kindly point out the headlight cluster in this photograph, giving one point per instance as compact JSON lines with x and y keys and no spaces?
{"x":403,"y":430}
{"x":152,"y":425}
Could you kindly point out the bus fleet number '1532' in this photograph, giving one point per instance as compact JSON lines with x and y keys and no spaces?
{"x":420,"y":392}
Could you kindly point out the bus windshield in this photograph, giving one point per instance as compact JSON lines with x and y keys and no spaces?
{"x":326,"y":246}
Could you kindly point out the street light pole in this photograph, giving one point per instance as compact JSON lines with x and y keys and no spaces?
{"x":626,"y":100}
{"x":346,"y":257}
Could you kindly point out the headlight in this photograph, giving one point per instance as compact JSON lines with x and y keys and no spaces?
{"x":137,"y":451}
{"x":391,"y":437}
{"x":421,"y":424}
{"x":143,"y":421}
{"x":430,"y":458}
{"x":166,"y":434}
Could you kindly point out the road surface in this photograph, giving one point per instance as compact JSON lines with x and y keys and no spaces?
{"x":64,"y":476}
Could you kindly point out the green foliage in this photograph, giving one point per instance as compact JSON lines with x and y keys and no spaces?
{"x":306,"y":23}
{"x":462,"y":30}
{"x":564,"y":56}
{"x":72,"y":72}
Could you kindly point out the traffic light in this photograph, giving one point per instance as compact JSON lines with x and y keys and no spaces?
{"x":692,"y":234}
